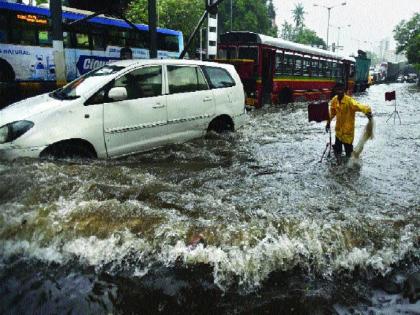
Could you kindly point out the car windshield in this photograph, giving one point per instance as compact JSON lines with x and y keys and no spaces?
{"x":81,"y":85}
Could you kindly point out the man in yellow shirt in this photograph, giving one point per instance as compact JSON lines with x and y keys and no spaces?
{"x":344,"y":108}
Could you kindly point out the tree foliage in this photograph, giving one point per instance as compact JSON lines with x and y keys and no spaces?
{"x":180,"y":15}
{"x":254,"y":16}
{"x":299,"y":33}
{"x":298,"y":15}
{"x":407,"y":36}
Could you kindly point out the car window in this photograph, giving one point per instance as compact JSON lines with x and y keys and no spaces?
{"x":218,"y":77}
{"x":184,"y":79}
{"x":143,"y":82}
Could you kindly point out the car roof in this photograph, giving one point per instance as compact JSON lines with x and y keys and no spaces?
{"x":139,"y":62}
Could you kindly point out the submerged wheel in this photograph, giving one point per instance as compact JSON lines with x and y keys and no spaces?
{"x":6,"y":72}
{"x":73,"y":149}
{"x":285,"y":96}
{"x":221,"y":124}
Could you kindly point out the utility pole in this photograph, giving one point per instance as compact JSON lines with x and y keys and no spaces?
{"x":57,"y":37}
{"x":152,"y":28}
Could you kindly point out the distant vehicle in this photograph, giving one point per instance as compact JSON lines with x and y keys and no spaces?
{"x":281,"y":71}
{"x":123,"y":108}
{"x":388,"y":72}
{"x":401,"y":78}
{"x":26,"y":53}
{"x":411,"y":78}
{"x":362,"y":72}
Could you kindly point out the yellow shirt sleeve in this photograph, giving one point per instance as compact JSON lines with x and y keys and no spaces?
{"x":333,"y":108}
{"x":358,"y":107}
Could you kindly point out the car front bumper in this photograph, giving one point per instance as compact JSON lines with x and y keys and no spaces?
{"x":11,"y":152}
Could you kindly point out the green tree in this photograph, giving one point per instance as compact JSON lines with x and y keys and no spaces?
{"x":182,"y":15}
{"x":299,"y":33}
{"x":287,"y":31}
{"x":298,"y":15}
{"x":254,"y":16}
{"x":407,"y":36}
{"x":309,"y":37}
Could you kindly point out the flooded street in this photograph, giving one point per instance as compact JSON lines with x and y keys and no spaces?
{"x":280,"y":232}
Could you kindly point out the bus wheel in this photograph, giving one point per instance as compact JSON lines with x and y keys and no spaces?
{"x":285,"y":96}
{"x":72,"y":149}
{"x":6,"y":72}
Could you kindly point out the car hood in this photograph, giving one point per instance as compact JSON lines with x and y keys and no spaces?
{"x":29,"y":107}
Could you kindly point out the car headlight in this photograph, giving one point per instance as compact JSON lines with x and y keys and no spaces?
{"x":14,"y":130}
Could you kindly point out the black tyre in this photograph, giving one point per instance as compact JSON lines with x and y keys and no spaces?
{"x":6,"y":72}
{"x":69,"y":150}
{"x":285,"y":96}
{"x":221,"y":124}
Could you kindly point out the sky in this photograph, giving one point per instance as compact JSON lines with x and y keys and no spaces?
{"x":370,"y":20}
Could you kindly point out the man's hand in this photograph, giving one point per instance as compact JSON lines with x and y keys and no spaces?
{"x":327,"y":127}
{"x":369,"y":115}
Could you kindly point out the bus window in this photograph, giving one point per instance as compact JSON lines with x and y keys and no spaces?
{"x":328,"y":69}
{"x":168,"y":42}
{"x":23,"y":32}
{"x":334,"y":69}
{"x":98,"y":39}
{"x":82,"y":40}
{"x":279,"y":62}
{"x":67,"y":40}
{"x":248,"y":53}
{"x":44,"y":38}
{"x":138,"y":39}
{"x":315,"y":68}
{"x":298,"y":65}
{"x":3,"y":27}
{"x":289,"y":65}
{"x":340,"y":70}
{"x":116,"y":38}
{"x":307,"y":67}
{"x":228,"y":53}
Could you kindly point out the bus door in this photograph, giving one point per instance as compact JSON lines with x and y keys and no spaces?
{"x":267,"y":72}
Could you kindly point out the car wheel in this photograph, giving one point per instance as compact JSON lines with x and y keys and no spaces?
{"x":69,"y":150}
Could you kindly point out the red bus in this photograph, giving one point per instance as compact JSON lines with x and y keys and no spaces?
{"x":278,"y":71}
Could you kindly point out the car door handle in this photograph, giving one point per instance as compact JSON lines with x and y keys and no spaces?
{"x":158,"y":105}
{"x":207,"y":99}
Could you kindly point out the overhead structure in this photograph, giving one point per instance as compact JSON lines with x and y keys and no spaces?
{"x":211,"y":8}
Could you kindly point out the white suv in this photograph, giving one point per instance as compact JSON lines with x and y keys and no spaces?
{"x":123,"y":108}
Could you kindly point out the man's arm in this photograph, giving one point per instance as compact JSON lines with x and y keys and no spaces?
{"x":333,"y":112}
{"x":357,"y":107}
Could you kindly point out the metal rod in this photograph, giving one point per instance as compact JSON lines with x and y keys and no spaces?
{"x":87,"y":17}
{"x":203,"y":17}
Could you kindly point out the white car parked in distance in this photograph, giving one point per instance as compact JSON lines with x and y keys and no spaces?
{"x":123,"y":108}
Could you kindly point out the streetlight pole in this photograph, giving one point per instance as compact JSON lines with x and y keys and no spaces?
{"x":231,"y":14}
{"x":329,"y":13}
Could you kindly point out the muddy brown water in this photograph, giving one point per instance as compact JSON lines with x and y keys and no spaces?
{"x":282,"y":232}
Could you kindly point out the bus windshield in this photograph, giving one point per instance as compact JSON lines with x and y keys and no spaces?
{"x":227,"y":53}
{"x":248,"y":53}
{"x":78,"y":87}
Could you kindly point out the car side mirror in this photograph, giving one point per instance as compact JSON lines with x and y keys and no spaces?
{"x":117,"y":94}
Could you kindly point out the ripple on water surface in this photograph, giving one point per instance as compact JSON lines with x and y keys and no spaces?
{"x":258,"y":197}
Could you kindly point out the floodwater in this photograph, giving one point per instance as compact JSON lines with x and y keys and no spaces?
{"x":281,"y":233}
